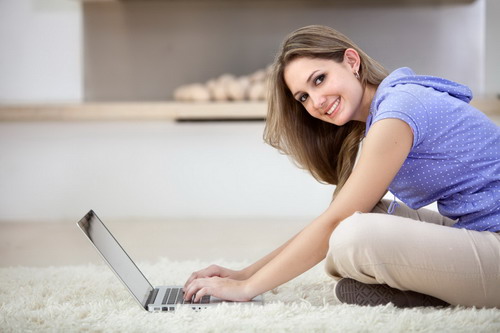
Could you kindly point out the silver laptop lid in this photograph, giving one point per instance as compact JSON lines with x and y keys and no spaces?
{"x":116,"y":257}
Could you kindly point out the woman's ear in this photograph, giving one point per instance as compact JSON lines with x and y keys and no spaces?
{"x":352,"y":59}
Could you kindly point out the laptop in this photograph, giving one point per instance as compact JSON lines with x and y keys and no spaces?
{"x":153,"y":299}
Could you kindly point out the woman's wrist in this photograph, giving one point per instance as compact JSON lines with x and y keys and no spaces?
{"x":249,"y":289}
{"x":243,"y":274}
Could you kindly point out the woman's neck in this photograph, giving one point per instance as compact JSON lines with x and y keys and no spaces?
{"x":366,"y":102}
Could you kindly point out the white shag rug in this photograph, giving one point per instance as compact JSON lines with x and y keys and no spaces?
{"x":91,"y":299}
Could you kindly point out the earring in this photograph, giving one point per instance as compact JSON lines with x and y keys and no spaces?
{"x":356,"y":74}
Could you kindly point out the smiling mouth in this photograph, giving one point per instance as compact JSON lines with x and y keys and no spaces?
{"x":333,"y":107}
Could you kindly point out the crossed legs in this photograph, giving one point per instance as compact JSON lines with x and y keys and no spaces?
{"x":418,"y":251}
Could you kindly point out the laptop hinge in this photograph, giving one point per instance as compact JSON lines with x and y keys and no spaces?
{"x":152,"y":297}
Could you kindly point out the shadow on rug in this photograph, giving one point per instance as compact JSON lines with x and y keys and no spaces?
{"x":90,"y":298}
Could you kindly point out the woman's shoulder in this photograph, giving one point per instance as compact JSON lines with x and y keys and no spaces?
{"x":420,"y":86}
{"x":403,"y":90}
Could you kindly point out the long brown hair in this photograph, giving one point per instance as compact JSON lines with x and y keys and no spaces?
{"x":327,"y":151}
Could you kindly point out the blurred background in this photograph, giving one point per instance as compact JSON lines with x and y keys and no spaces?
{"x":59,"y":52}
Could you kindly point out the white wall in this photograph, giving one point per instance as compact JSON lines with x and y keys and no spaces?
{"x":57,"y":171}
{"x":492,"y":49}
{"x":40,"y":57}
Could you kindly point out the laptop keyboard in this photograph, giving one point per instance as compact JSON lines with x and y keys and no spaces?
{"x":176,"y":296}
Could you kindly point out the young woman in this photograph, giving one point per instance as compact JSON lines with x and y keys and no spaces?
{"x":422,"y":141}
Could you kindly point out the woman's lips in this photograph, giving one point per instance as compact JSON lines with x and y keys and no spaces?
{"x":331,"y":112}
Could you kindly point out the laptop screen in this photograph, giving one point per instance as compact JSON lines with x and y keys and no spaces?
{"x":116,"y":257}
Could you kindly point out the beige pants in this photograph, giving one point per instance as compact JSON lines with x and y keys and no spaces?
{"x":459,"y":266}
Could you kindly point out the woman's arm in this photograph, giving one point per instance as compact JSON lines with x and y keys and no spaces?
{"x":384,"y":151}
{"x":243,"y":274}
{"x":255,"y":267}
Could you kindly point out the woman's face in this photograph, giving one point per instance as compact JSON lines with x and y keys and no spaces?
{"x":329,"y":90}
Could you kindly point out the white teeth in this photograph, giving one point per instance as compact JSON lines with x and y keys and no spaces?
{"x":334,"y":106}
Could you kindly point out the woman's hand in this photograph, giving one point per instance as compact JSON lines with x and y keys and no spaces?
{"x":215,"y":271}
{"x":223,"y":288}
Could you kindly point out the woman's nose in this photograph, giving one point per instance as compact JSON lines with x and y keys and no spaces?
{"x":319,"y":101}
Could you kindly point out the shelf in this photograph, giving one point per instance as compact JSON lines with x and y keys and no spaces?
{"x":334,"y":2}
{"x":171,"y":111}
{"x":490,"y":106}
{"x":135,"y":111}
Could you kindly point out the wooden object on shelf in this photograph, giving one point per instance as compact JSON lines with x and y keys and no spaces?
{"x":346,"y":2}
{"x":134,"y":111}
{"x":162,"y":111}
{"x":490,"y":106}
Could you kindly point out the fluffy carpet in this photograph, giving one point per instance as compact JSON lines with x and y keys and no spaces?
{"x":90,"y":298}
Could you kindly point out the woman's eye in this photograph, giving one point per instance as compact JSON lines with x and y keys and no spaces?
{"x":319,"y":79}
{"x":303,"y":98}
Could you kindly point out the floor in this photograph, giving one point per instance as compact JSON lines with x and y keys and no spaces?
{"x":56,"y":244}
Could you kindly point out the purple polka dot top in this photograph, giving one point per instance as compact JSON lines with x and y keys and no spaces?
{"x":455,"y":156}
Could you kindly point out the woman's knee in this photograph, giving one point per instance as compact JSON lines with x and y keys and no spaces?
{"x":365,"y":236}
{"x":348,"y":246}
{"x":354,"y":234}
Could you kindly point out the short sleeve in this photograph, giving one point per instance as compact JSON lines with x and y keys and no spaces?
{"x":406,"y":107}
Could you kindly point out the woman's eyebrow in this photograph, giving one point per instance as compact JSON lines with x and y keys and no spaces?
{"x":307,"y":81}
